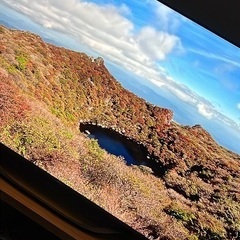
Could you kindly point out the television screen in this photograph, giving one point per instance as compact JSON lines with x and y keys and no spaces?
{"x":130,"y":104}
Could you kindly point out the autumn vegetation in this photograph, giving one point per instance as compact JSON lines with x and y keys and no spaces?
{"x":46,"y":91}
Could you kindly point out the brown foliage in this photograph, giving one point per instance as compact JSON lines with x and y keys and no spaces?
{"x":12,"y":104}
{"x":198,"y":175}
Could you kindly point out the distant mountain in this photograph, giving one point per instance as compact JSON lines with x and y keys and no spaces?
{"x":46,"y":91}
{"x":10,"y":22}
{"x":2,"y":22}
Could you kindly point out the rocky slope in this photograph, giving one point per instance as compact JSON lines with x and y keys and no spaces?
{"x":45,"y":93}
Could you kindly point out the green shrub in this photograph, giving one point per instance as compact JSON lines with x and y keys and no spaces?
{"x":180,"y":214}
{"x":94,"y":149}
{"x":22,"y":60}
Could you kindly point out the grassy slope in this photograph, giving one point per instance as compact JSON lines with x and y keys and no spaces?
{"x":44,"y":93}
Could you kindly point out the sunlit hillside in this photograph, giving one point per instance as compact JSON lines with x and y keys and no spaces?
{"x":46,"y":91}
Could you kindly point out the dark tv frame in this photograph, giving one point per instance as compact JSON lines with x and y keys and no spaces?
{"x":60,"y":209}
{"x":220,"y":17}
{"x":55,"y":206}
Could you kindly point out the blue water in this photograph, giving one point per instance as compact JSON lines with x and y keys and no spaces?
{"x":117,"y":147}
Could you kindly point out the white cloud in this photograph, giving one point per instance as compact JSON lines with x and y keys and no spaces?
{"x":205,"y":111}
{"x":124,"y":9}
{"x":104,"y":29}
{"x":150,"y":41}
{"x":238,"y":106}
{"x":228,"y":121}
{"x":167,"y":18}
{"x":163,"y":13}
{"x":216,"y":57}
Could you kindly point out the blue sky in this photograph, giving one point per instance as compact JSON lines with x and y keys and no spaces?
{"x":153,"y":51}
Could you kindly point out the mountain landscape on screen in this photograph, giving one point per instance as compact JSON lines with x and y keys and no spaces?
{"x":51,"y":101}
